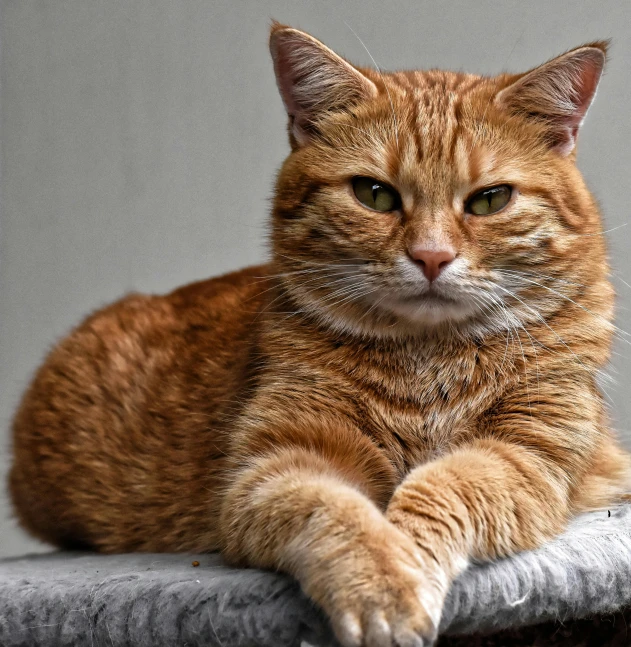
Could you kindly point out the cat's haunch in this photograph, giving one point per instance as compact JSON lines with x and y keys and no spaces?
{"x":409,"y":383}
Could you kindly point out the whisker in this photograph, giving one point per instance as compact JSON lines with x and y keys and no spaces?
{"x":488,"y":105}
{"x":602,"y":233}
{"x":375,"y":305}
{"x":394,"y":116}
{"x":324,"y":276}
{"x":349,"y":292}
{"x":264,"y":279}
{"x":609,"y":323}
{"x":303,"y":261}
{"x":346,"y":277}
{"x":545,"y":276}
{"x":545,"y":323}
{"x":494,"y":305}
{"x":620,"y":279}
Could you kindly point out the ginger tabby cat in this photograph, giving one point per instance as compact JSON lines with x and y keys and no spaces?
{"x":408,"y":385}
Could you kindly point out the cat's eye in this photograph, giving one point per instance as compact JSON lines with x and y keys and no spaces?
{"x":489,"y":201}
{"x":376,"y":195}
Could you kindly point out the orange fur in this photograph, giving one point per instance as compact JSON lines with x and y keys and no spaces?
{"x":322,"y":414}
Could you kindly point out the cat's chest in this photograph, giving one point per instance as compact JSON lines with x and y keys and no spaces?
{"x":417,"y":408}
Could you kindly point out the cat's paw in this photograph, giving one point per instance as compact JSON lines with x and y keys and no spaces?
{"x":389,"y":594}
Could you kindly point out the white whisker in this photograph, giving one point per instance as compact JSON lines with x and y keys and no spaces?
{"x":602,"y":233}
{"x":578,"y":305}
{"x":394,"y":116}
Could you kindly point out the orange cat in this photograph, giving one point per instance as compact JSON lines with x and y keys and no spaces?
{"x":409,"y":384}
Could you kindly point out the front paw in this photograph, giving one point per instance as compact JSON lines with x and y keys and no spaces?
{"x":433,"y":536}
{"x":383,"y":592}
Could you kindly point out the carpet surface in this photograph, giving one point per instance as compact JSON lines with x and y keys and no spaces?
{"x":150,"y":600}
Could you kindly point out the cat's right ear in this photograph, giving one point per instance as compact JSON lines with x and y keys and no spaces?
{"x":313,"y":80}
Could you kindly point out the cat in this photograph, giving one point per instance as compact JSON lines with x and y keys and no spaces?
{"x":408,"y":385}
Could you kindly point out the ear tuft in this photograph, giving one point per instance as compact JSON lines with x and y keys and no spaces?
{"x":313,"y":80}
{"x":558,"y":93}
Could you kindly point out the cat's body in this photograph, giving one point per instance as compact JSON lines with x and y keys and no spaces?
{"x":153,"y":387}
{"x":277,"y":413}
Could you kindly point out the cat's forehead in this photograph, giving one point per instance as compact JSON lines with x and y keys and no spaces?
{"x":432,"y":103}
{"x":435,"y":94}
{"x":428,"y":123}
{"x":428,"y":83}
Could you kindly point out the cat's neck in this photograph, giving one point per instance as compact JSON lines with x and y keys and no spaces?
{"x":412,"y":369}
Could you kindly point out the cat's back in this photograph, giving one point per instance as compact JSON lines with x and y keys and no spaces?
{"x":137,"y":391}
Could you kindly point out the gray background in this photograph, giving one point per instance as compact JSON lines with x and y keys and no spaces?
{"x":140,"y":140}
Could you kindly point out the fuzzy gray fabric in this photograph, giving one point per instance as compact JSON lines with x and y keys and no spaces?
{"x":145,"y":600}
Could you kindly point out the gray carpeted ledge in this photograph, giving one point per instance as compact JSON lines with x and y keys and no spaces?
{"x":163,"y":600}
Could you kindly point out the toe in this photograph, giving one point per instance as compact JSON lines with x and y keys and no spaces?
{"x":378,"y":631}
{"x":348,"y":630}
{"x":409,"y":639}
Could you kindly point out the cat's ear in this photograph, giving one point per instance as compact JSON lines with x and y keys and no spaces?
{"x":313,"y":80}
{"x":558,"y":93}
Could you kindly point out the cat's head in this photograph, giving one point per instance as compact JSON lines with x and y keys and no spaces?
{"x":424,"y":200}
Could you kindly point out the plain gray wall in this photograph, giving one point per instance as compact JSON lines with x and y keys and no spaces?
{"x":140,"y":139}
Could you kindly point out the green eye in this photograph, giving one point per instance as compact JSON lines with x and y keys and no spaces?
{"x":489,"y":201}
{"x":376,"y":195}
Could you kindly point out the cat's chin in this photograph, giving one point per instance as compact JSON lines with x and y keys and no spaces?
{"x":399,"y":316}
{"x":430,"y":309}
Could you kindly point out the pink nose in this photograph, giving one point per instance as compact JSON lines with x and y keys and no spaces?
{"x":432,"y":262}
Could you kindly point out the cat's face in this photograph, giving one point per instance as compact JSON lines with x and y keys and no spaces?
{"x":423,"y":200}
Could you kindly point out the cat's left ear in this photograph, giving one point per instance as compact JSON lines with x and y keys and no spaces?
{"x":558,"y":93}
{"x":313,"y":81}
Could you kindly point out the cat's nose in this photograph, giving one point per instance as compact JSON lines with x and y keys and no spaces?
{"x":432,"y":262}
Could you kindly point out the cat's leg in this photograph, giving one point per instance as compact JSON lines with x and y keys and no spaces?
{"x":309,"y":512}
{"x":485,"y":500}
{"x":513,"y":487}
